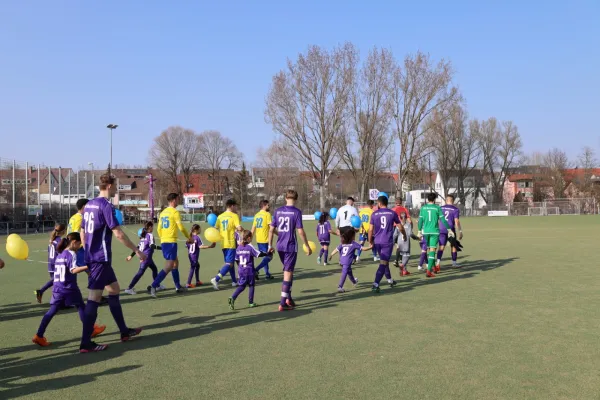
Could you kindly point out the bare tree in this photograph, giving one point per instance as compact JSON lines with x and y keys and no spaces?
{"x":366,"y":149}
{"x":500,"y":145}
{"x":419,"y":88}
{"x":218,"y":153}
{"x":555,"y":163}
{"x":176,"y":151}
{"x":307,"y":104}
{"x":278,"y":167}
{"x":587,"y":162}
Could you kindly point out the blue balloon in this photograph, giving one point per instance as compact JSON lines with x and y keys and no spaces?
{"x":119,"y":216}
{"x":333,"y":212}
{"x":384,"y":194}
{"x":355,"y":221}
{"x":211,"y":219}
{"x":317,"y":215}
{"x":140,"y":232}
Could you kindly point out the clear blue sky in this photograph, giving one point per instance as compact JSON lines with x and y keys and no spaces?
{"x":68,"y":68}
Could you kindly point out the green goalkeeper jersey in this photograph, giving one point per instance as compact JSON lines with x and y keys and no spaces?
{"x":429,"y":219}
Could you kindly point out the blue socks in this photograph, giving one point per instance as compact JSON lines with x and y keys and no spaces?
{"x":175,"y":274}
{"x":161,"y":277}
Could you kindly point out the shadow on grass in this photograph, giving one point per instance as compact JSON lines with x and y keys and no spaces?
{"x":51,"y":362}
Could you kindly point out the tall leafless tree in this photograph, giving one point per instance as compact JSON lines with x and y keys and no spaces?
{"x":176,"y":151}
{"x":500,"y":145}
{"x":419,"y":87}
{"x":218,"y":153}
{"x":587,"y":162}
{"x":367,"y":148}
{"x":279,"y":168}
{"x":308,"y":105}
{"x":554,"y":165}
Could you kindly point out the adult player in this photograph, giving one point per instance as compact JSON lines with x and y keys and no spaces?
{"x":260,"y":229}
{"x":365,"y":218}
{"x":381,"y":236}
{"x":169,"y":226}
{"x":227,"y":224}
{"x":99,"y":225}
{"x":452,"y":215}
{"x":430,"y":218}
{"x":287,"y":220}
{"x":344,"y":215}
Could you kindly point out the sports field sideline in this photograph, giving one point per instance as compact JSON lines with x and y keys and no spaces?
{"x":520,"y":320}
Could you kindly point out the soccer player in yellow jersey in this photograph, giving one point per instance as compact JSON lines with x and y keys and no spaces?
{"x":228,"y":224}
{"x":169,"y":225}
{"x":75,"y":226}
{"x":365,"y":218}
{"x":260,"y":229}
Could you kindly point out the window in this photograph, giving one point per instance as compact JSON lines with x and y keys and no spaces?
{"x":522,"y":185}
{"x":337,"y":186}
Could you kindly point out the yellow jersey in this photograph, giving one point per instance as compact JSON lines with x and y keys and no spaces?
{"x":75,"y":223}
{"x":261,"y":224}
{"x":365,"y":218}
{"x":169,"y":223}
{"x":227,"y":223}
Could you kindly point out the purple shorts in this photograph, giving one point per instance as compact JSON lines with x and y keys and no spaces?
{"x":324,"y":243}
{"x":67,"y":299}
{"x":384,"y":251}
{"x":444,"y":238}
{"x":246,"y":280}
{"x":101,"y":275}
{"x":288,"y":259}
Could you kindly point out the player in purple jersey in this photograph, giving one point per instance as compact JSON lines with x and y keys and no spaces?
{"x":452,"y":214}
{"x":57,"y":233}
{"x":99,"y":225}
{"x":65,"y":293}
{"x":324,"y":233}
{"x":287,"y":220}
{"x":147,"y":247}
{"x":381,"y":237}
{"x":347,"y":250}
{"x":244,"y":255}
{"x":194,"y":255}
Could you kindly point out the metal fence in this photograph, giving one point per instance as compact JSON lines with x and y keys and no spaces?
{"x":33,"y":196}
{"x":575,"y":206}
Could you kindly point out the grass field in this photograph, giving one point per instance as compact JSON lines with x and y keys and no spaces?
{"x":520,"y":320}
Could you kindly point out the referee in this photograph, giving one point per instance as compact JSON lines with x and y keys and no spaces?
{"x":344,"y":215}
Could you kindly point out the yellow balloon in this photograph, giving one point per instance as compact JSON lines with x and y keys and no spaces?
{"x":13,"y":237}
{"x":18,"y":249}
{"x":312,"y":246}
{"x":212,"y":235}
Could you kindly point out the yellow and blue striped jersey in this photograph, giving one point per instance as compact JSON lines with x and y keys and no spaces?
{"x":227,"y":223}
{"x":169,"y":223}
{"x":261,"y":224}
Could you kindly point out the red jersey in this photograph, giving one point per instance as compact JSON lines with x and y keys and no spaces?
{"x":401,"y":210}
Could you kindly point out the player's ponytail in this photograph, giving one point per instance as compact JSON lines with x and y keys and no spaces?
{"x":324,"y":217}
{"x":58,"y":229}
{"x":247,"y":237}
{"x":66,"y":241}
{"x":145,"y":229}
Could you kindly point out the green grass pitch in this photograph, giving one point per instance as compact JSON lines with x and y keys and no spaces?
{"x":520,"y":320}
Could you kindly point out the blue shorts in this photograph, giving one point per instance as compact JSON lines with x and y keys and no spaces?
{"x":363,"y":237}
{"x":80,"y":258}
{"x":169,"y":251}
{"x":263,"y":247}
{"x":229,"y":256}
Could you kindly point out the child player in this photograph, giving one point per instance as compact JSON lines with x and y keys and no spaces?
{"x":59,"y":230}
{"x":244,"y":255}
{"x":260,"y":228}
{"x":452,"y":215}
{"x":65,"y":292}
{"x":287,"y":220}
{"x":194,"y":256}
{"x":324,"y":233}
{"x":403,"y":243}
{"x":381,"y":235}
{"x":347,"y":250}
{"x":169,"y":224}
{"x":227,"y":224}
{"x":147,"y":247}
{"x":429,"y":228}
